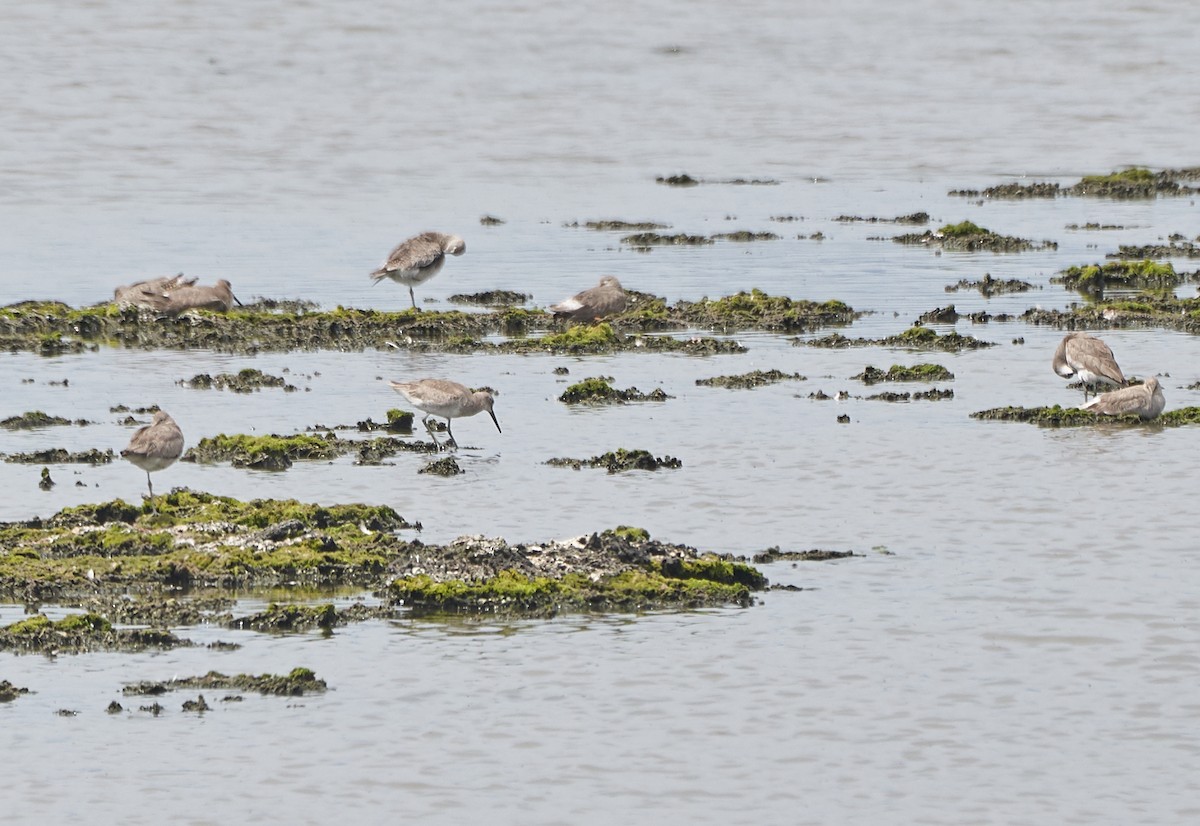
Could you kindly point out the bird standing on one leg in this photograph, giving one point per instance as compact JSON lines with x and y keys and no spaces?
{"x":448,"y":399}
{"x":155,"y":446}
{"x":419,"y":259}
{"x":1090,"y":359}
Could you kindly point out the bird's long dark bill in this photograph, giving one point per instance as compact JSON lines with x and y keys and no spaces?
{"x":238,"y":300}
{"x":493,"y":415}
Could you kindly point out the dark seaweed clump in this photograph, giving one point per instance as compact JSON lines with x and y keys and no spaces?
{"x":917,"y":218}
{"x":598,"y":390}
{"x":491,"y":298}
{"x":1136,"y":182}
{"x":247,"y":380}
{"x":966,"y":236}
{"x":989,"y":286}
{"x":36,"y":418}
{"x":1093,"y":279}
{"x":899,"y":373}
{"x":296,"y":683}
{"x":914,"y":338}
{"x":61,"y":456}
{"x":619,"y":461}
{"x":755,"y":378}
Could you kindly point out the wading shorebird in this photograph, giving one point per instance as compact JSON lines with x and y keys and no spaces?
{"x":1146,"y":400}
{"x":448,"y":399}
{"x":155,"y":446}
{"x":605,"y":299}
{"x":1090,"y":359}
{"x":419,"y":259}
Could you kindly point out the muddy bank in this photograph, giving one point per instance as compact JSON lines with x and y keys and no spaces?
{"x":296,"y":683}
{"x":1136,"y":182}
{"x":619,"y":461}
{"x":1156,"y":310}
{"x":599,"y":390}
{"x":746,"y":381}
{"x":51,"y":328}
{"x":199,"y":542}
{"x":1057,"y":416}
{"x":968,"y":237}
{"x":914,"y":338}
{"x":989,"y":286}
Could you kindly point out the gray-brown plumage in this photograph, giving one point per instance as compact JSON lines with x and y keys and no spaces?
{"x":448,"y":399}
{"x":419,"y":259}
{"x":155,"y":446}
{"x":1146,"y":400}
{"x":605,"y":299}
{"x":1090,"y":359}
{"x":219,"y":298}
{"x":150,"y":293}
{"x":176,"y":295}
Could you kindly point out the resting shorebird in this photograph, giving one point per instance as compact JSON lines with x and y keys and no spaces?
{"x":155,"y":446}
{"x":419,"y":259}
{"x":1146,"y":400}
{"x":448,"y":399}
{"x":1089,"y":358}
{"x":605,"y":299}
{"x":175,"y":295}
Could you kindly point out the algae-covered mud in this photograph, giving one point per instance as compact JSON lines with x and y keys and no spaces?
{"x":914,"y":338}
{"x":966,"y":236}
{"x":1056,"y":416}
{"x":53,"y":328}
{"x":195,"y":541}
{"x":1135,"y":182}
{"x":619,"y":461}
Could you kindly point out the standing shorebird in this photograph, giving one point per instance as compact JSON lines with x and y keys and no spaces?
{"x":1146,"y":400}
{"x":155,"y":446}
{"x":605,"y":299}
{"x":448,"y":399}
{"x":1089,"y":358}
{"x":419,"y":259}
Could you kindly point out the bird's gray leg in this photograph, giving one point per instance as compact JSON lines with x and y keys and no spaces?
{"x":429,"y":429}
{"x":412,"y":297}
{"x":450,"y":434}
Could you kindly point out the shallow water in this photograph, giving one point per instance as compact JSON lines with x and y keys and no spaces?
{"x":1016,"y":643}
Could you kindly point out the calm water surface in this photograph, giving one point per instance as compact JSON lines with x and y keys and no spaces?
{"x":1017,"y":641}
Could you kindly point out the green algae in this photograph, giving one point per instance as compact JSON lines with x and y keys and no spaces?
{"x":599,"y":390}
{"x":692,"y":586}
{"x":1135,"y":182}
{"x":247,"y":380}
{"x":619,"y":461}
{"x":296,"y":683}
{"x":581,"y":338}
{"x":1144,"y":274}
{"x":246,"y":331}
{"x":1057,"y":416}
{"x":916,"y":218}
{"x":199,"y":541}
{"x":755,"y":378}
{"x":758,"y":310}
{"x":967,"y":236}
{"x":33,"y":419}
{"x":271,"y":452}
{"x":900,"y":373}
{"x":78,"y":633}
{"x":914,"y":338}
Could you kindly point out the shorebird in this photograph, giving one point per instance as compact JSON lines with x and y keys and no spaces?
{"x":150,"y":293}
{"x":1146,"y":400}
{"x":219,"y":298}
{"x":155,"y":446}
{"x":1089,"y":358}
{"x":419,"y":259}
{"x":605,"y":299}
{"x":176,"y":294}
{"x":448,"y":399}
